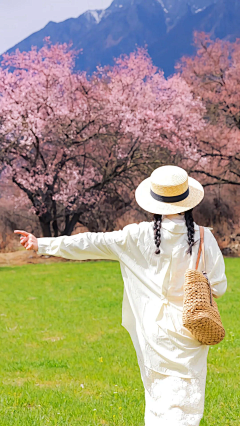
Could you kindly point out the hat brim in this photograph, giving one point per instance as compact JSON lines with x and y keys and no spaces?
{"x":148,"y":203}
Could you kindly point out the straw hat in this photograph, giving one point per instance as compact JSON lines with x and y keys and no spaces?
{"x":169,"y":190}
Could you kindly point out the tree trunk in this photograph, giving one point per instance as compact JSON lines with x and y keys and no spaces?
{"x":45,"y":227}
{"x":55,"y":228}
{"x":54,"y":223}
{"x":69,"y":224}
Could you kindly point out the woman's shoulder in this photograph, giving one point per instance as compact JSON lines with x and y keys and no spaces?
{"x":209,"y":237}
{"x":207,"y":229}
{"x":138,"y":228}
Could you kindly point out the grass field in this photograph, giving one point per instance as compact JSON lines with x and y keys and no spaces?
{"x":66,"y":360}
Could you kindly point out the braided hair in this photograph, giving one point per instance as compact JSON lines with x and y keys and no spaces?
{"x":190,"y":230}
{"x":157,"y":231}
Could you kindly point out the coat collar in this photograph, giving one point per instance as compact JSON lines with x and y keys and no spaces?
{"x":176,"y":224}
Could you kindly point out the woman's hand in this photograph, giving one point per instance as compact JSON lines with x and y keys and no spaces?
{"x":27,"y":240}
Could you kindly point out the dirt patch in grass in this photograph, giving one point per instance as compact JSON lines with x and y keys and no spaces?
{"x":24,"y":257}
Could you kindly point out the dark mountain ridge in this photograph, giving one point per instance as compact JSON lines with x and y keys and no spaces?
{"x":165,"y":26}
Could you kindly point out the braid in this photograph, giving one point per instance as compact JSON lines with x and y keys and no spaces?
{"x":190,"y":230}
{"x":157,"y":231}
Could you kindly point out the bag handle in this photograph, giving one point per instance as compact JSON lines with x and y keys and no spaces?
{"x":201,"y":250}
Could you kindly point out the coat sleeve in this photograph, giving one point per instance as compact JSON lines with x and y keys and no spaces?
{"x":87,"y":245}
{"x":215,"y":266}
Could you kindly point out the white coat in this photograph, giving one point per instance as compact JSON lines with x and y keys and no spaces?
{"x":153,"y":288}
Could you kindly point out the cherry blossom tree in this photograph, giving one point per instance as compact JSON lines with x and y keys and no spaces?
{"x":77,"y":145}
{"x":213,"y":75}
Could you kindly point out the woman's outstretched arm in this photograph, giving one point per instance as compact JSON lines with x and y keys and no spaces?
{"x":82,"y":246}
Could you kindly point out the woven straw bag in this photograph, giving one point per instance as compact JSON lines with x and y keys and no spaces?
{"x":200,"y":311}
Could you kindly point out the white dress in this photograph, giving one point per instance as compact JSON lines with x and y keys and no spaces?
{"x":173,"y":364}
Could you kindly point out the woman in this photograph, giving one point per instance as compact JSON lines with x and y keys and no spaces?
{"x":153,"y":258}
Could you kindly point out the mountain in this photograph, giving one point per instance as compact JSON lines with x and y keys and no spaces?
{"x":176,"y":9}
{"x":125,"y":25}
{"x":165,"y":26}
{"x":220,"y":20}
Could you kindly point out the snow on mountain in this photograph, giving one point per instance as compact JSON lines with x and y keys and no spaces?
{"x":96,"y":14}
{"x":176,"y":9}
{"x":163,"y":6}
{"x":199,"y":10}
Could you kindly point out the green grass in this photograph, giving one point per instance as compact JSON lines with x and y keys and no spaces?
{"x":65,"y":359}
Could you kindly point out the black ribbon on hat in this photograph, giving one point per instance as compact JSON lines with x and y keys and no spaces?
{"x":173,"y":199}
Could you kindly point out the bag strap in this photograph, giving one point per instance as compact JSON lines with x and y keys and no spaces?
{"x":201,"y":248}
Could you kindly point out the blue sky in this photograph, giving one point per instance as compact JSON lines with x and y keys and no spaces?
{"x":20,"y":18}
